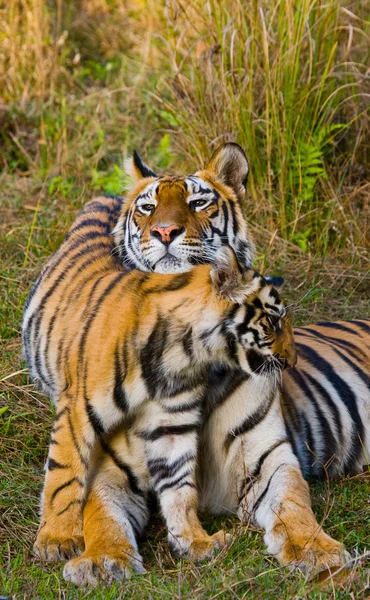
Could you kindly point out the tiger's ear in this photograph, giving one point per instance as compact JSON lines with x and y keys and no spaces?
{"x":227,"y":276}
{"x":275,"y":280}
{"x":137,"y":169}
{"x":229,"y":164}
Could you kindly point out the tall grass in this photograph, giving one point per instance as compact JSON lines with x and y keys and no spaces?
{"x":289,"y":81}
{"x":83,"y":82}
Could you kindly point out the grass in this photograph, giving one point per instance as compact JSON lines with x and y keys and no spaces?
{"x":81,"y":84}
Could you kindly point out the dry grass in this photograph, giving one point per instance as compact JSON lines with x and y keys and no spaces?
{"x":84,"y":82}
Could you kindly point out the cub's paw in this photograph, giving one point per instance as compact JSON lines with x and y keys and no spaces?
{"x":201,"y":548}
{"x":51,"y":547}
{"x":311,"y":554}
{"x":90,"y":570}
{"x":317,"y":559}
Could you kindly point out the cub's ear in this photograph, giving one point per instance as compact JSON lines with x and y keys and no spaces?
{"x":229,"y":164}
{"x":137,"y":169}
{"x":275,"y":281}
{"x":227,"y":276}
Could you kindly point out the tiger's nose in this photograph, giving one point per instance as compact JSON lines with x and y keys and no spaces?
{"x":166,"y":234}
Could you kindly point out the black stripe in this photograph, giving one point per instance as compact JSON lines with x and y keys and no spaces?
{"x":345,"y":393}
{"x":221,"y":384}
{"x":262,"y":496}
{"x":328,"y":400}
{"x":155,"y":377}
{"x":57,"y":428}
{"x":63,"y":486}
{"x":119,"y":199}
{"x":244,"y":254}
{"x":360,"y":372}
{"x":293,"y":426}
{"x":133,"y":480}
{"x":250,"y":313}
{"x":187,"y":483}
{"x":94,"y":419}
{"x":251,"y":480}
{"x":151,"y":356}
{"x":160,"y":466}
{"x":187,"y":343}
{"x":95,"y":206}
{"x":231,"y":345}
{"x":174,"y":483}
{"x":362,"y":325}
{"x":89,"y":222}
{"x":255,"y":359}
{"x":134,"y":522}
{"x":46,"y":348}
{"x":177,"y":282}
{"x":225,"y":212}
{"x":251,"y":421}
{"x":257,"y":469}
{"x":183,"y":407}
{"x":308,"y":438}
{"x":72,"y":503}
{"x":234,"y":220}
{"x":331,"y":340}
{"x":119,"y":395}
{"x":76,"y":444}
{"x":61,"y":413}
{"x":156,"y":434}
{"x":54,"y":464}
{"x":338,"y":326}
{"x":327,"y":438}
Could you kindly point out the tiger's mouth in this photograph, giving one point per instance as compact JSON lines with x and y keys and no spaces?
{"x":171,"y":264}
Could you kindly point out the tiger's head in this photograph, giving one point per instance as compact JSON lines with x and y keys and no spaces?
{"x":170,"y":223}
{"x":258,"y":327}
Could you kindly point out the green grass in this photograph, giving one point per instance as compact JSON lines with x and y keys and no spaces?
{"x":72,"y":106}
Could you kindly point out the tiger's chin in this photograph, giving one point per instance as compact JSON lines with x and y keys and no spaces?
{"x":171,"y":264}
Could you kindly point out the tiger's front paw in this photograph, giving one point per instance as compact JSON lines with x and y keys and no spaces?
{"x":51,"y":545}
{"x":91,"y":570}
{"x":311,"y":554}
{"x":202,"y":547}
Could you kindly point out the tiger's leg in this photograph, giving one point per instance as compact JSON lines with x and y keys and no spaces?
{"x":60,"y":533}
{"x":251,"y":469}
{"x":277,"y":498}
{"x":171,"y":443}
{"x":115,"y":515}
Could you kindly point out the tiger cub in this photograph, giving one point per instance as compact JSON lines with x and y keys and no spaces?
{"x":128,"y":360}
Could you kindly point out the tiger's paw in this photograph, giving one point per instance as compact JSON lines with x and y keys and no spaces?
{"x":52,"y":547}
{"x":93,"y":569}
{"x":317,"y":560}
{"x":311,"y":554}
{"x":201,"y":548}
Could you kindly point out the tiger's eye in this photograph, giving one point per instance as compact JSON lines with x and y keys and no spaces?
{"x":198,"y":203}
{"x":147,"y":207}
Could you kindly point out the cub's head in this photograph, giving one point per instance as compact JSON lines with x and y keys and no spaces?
{"x":168,"y":224}
{"x":256,"y":325}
